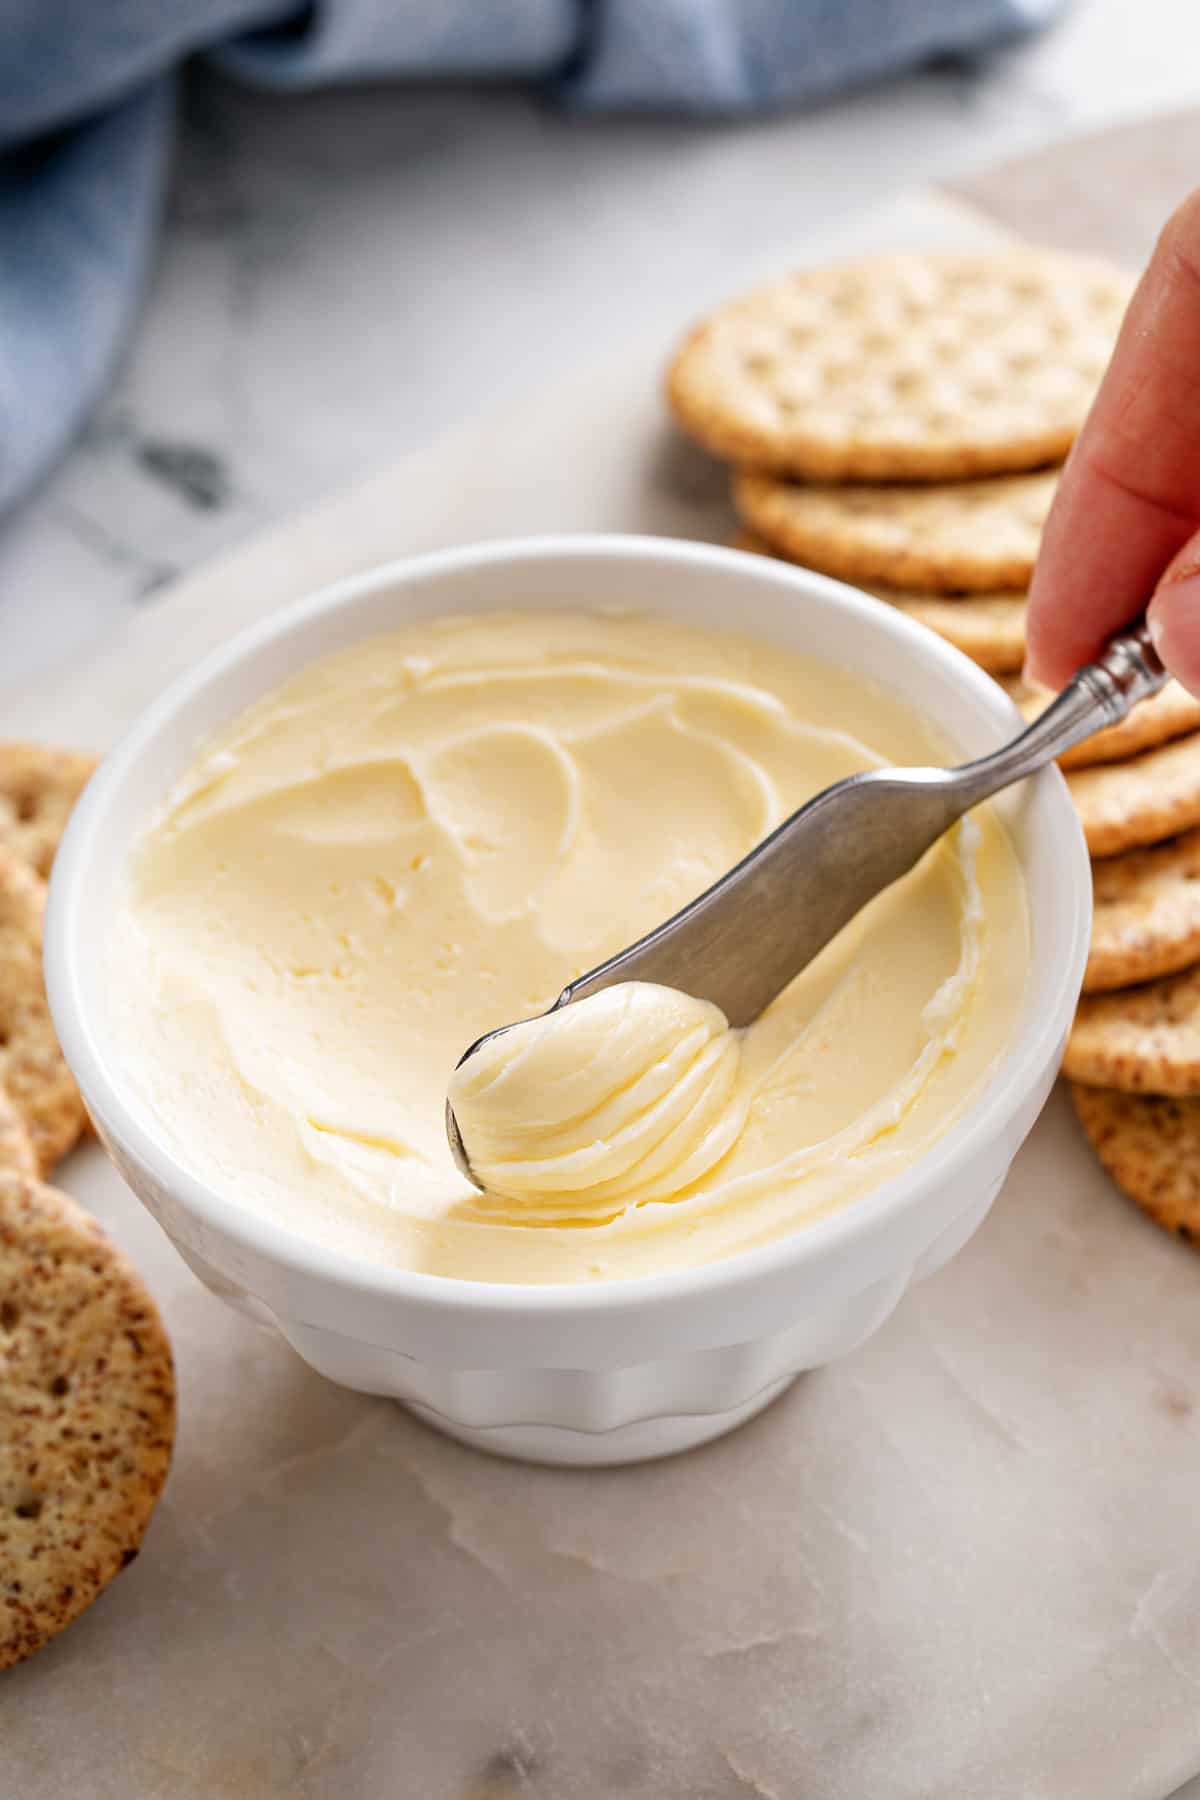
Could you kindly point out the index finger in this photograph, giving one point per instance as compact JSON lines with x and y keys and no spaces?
{"x":1129,"y":497}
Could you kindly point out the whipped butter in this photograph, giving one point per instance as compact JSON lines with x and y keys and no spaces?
{"x":430,"y":834}
{"x":628,"y":1096}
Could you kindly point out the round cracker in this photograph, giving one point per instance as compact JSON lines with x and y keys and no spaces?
{"x":87,"y":1393}
{"x":926,"y":366}
{"x":32,"y":1068}
{"x":1150,"y":1145}
{"x":16,"y":1146}
{"x":1146,"y":917}
{"x":38,"y":788}
{"x":1171,"y":713}
{"x":1151,"y":797}
{"x":1140,"y":1040}
{"x":989,"y":628}
{"x":974,"y":537}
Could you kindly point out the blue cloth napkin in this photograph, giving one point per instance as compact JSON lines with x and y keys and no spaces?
{"x":86,"y":104}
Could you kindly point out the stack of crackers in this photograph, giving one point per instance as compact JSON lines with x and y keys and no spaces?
{"x":87,"y":1396}
{"x":900,"y":423}
{"x":1133,"y":1057}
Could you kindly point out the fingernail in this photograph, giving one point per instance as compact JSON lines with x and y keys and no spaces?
{"x":1031,"y":671}
{"x":1173,"y":621}
{"x":1183,"y":566}
{"x":1029,"y":666}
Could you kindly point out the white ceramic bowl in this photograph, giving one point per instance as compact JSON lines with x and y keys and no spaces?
{"x":625,"y":1369}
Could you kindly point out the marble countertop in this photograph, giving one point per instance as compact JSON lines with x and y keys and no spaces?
{"x":344,"y":276}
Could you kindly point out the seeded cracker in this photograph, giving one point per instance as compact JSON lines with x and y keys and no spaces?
{"x":1151,"y":1148}
{"x":33,"y":1072}
{"x":1154,"y":796}
{"x":1146,"y":918}
{"x":38,"y":788}
{"x":1140,"y":1040}
{"x":16,"y":1149}
{"x":87,"y":1396}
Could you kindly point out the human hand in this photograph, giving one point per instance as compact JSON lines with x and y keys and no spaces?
{"x":1124,"y":530}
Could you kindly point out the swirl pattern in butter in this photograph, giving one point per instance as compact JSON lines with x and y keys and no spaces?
{"x":430,"y":834}
{"x":624,"y":1097}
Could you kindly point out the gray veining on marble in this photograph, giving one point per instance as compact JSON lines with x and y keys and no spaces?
{"x":346,"y":275}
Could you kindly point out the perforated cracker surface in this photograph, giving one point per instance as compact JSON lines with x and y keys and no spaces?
{"x":926,"y":366}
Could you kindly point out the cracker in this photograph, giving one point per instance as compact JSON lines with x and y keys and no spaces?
{"x":87,"y":1395}
{"x":32,"y":1068}
{"x":1150,"y":1145}
{"x":16,"y":1147}
{"x":38,"y":788}
{"x":1154,"y":796}
{"x":1171,"y":713}
{"x":975,"y":537}
{"x":1146,"y":919}
{"x":989,"y":628}
{"x":1141,"y":1040}
{"x":928,"y":366}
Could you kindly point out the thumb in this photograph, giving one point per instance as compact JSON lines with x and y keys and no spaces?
{"x":1174,"y":615}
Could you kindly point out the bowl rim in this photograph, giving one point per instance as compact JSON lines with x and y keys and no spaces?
{"x":1035,"y":1041}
